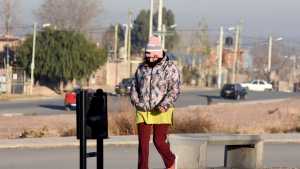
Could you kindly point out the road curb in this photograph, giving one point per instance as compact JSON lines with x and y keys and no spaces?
{"x":30,"y":98}
{"x":264,"y":101}
{"x":237,"y":103}
{"x":57,"y":142}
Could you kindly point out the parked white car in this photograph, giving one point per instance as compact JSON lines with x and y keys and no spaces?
{"x":258,"y":85}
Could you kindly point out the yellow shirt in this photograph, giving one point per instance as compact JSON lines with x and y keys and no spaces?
{"x":155,"y":117}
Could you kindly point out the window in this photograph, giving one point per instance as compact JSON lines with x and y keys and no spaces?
{"x":238,"y":86}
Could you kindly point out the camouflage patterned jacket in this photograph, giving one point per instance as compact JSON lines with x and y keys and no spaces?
{"x":155,"y":86}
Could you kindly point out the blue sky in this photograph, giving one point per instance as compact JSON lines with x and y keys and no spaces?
{"x":261,"y":17}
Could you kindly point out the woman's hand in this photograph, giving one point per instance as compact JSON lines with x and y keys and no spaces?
{"x":162,"y":109}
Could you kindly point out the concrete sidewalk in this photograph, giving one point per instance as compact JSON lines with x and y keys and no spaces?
{"x":49,"y":142}
{"x":52,"y":142}
{"x":27,"y":98}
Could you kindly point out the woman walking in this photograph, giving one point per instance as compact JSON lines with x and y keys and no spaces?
{"x":155,"y":88}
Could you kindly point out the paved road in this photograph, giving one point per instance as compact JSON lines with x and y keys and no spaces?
{"x":192,"y":97}
{"x":200,"y":97}
{"x":44,"y":106}
{"x":125,"y":157}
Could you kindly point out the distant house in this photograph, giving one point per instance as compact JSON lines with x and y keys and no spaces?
{"x":7,"y":46}
{"x":11,"y":80}
{"x":9,"y":41}
{"x":227,"y":58}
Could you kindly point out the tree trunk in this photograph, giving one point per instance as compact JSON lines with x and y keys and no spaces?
{"x":61,"y":86}
{"x":74,"y":83}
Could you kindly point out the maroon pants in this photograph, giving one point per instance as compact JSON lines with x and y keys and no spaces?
{"x":160,"y":141}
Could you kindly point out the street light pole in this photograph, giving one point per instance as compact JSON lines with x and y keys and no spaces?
{"x":160,"y":17}
{"x":164,"y":29}
{"x":220,"y":57}
{"x":126,"y":40}
{"x":236,"y":53}
{"x":116,"y":52}
{"x":33,"y":59}
{"x":129,"y":35}
{"x":116,"y":41}
{"x":270,"y":54}
{"x":151,"y":19}
{"x":129,"y":41}
{"x":294,"y":69}
{"x":8,"y":71}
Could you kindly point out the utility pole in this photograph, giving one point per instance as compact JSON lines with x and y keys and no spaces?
{"x":129,"y":41}
{"x":160,"y":18}
{"x":126,"y":41}
{"x":238,"y":63}
{"x":294,"y":69}
{"x":116,"y":52}
{"x":8,"y":71}
{"x":164,"y":36}
{"x":270,"y":54}
{"x":33,"y":59}
{"x":236,"y":53}
{"x":129,"y":35}
{"x":151,"y":18}
{"x":116,"y":42}
{"x":220,"y":57}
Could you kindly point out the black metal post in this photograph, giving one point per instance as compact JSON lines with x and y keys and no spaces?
{"x":83,"y":130}
{"x":100,"y":164}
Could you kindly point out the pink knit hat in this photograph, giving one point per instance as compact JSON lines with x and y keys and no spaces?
{"x":154,"y":47}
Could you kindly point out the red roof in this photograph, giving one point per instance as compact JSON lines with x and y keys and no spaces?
{"x":9,"y":38}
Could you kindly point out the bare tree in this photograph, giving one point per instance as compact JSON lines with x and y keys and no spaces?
{"x":260,"y":59}
{"x":69,"y":14}
{"x":8,"y":14}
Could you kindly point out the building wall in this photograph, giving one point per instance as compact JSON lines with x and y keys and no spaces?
{"x":115,"y":72}
{"x":99,"y":77}
{"x":10,"y":41}
{"x":227,"y":58}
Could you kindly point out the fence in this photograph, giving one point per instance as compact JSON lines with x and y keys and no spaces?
{"x":12,"y":81}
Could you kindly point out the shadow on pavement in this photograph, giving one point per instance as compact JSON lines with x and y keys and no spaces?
{"x":53,"y":107}
{"x":209,"y":99}
{"x":211,"y":96}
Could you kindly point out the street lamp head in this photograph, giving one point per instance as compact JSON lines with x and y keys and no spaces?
{"x":173,"y":26}
{"x":231,"y":28}
{"x":125,"y":25}
{"x":45,"y":25}
{"x":279,"y":39}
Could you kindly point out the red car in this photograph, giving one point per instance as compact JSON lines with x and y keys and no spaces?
{"x":70,"y":100}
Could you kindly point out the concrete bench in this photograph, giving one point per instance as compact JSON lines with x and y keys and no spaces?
{"x":240,"y":151}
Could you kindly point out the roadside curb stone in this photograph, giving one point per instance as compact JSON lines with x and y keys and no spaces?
{"x":49,"y":142}
{"x":55,"y":142}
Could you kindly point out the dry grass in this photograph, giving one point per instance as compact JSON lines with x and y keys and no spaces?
{"x":190,"y":121}
{"x":122,"y":124}
{"x":67,"y":132}
{"x":120,"y":105}
{"x":276,"y":117}
{"x":34,"y":133}
{"x":35,"y":126}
